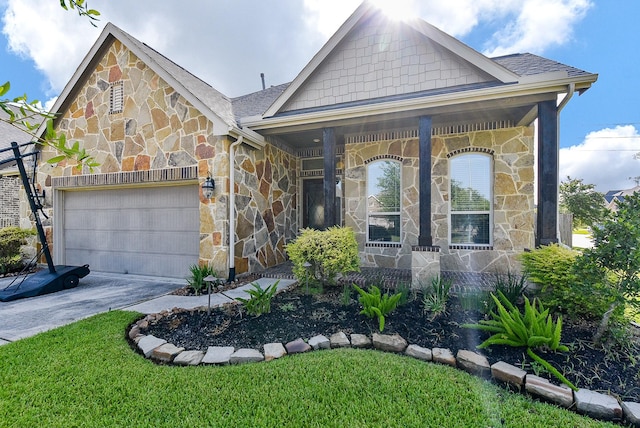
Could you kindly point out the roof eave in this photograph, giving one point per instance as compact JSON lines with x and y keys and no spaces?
{"x":533,"y":87}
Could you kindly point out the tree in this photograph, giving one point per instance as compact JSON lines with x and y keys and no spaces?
{"x":616,"y":253}
{"x":28,"y":116}
{"x":389,"y":185}
{"x":582,"y":200}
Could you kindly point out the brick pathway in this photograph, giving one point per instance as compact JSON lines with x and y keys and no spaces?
{"x":462,"y":281}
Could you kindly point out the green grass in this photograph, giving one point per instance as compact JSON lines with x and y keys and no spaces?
{"x":581,"y":231}
{"x":85,"y":374}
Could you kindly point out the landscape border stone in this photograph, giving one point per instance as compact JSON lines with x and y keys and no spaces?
{"x":593,"y":404}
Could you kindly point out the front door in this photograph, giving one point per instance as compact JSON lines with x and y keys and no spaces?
{"x":313,"y":203}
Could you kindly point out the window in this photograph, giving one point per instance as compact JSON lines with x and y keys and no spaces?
{"x":116,"y":97}
{"x":383,"y":201}
{"x":470,"y":190}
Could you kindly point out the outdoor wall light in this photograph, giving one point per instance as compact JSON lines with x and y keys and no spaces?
{"x":208,"y":187}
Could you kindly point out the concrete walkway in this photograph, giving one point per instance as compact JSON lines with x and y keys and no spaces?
{"x":169,"y":302}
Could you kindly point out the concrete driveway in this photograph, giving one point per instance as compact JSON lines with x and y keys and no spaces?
{"x":97,"y":292}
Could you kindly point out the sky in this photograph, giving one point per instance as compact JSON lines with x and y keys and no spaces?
{"x":228,"y":43}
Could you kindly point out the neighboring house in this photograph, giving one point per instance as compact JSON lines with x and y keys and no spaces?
{"x":10,"y":182}
{"x":449,"y":129}
{"x":612,"y":197}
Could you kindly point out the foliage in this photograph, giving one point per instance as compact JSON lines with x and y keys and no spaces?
{"x":198,"y":274}
{"x":465,"y":199}
{"x":82,"y":8}
{"x":582,"y":200}
{"x":567,"y":283}
{"x":11,"y":239}
{"x":330,"y":252}
{"x":511,"y":285}
{"x":477,"y":301}
{"x":404,"y":288}
{"x":616,"y":253}
{"x":389,"y":186}
{"x":434,"y":299}
{"x":260,"y":301}
{"x":375,"y":304}
{"x":534,"y":329}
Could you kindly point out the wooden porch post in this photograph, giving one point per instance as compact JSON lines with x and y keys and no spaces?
{"x":547,"y":221}
{"x":329,"y":152}
{"x":425,"y":238}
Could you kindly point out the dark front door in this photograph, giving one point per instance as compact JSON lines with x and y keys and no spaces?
{"x":313,"y":206}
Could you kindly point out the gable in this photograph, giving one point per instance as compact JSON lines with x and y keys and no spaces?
{"x":380,"y":59}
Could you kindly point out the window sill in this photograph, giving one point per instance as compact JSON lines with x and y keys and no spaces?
{"x":470,"y":247}
{"x":383,"y":244}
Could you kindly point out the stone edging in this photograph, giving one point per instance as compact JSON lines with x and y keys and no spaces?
{"x":584,"y":401}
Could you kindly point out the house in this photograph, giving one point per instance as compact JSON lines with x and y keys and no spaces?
{"x":10,"y":182}
{"x":441,"y":136}
{"x":612,"y":197}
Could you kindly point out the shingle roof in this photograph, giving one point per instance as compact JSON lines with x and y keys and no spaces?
{"x":526,"y":64}
{"x":257,"y":102}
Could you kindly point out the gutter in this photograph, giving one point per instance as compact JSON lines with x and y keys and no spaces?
{"x":565,"y":100}
{"x":232,"y":205}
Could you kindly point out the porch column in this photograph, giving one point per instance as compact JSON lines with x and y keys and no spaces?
{"x":329,"y":152}
{"x":547,"y":221}
{"x":424,"y":133}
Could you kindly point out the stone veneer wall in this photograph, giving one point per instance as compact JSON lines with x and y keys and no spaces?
{"x":513,"y":187}
{"x":513,"y":198}
{"x":266,"y":206}
{"x":357,"y":156}
{"x":157,"y":129}
{"x":9,"y":201}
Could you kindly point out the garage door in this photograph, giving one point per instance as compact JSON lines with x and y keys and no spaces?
{"x":142,"y":231}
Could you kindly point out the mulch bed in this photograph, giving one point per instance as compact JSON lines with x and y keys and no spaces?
{"x":295,"y":314}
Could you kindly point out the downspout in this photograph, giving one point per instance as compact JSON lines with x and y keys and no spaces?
{"x":565,"y":100}
{"x":232,"y":205}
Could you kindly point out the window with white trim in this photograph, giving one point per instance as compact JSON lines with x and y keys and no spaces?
{"x":383,"y":201}
{"x":470,"y":199}
{"x":116,"y":97}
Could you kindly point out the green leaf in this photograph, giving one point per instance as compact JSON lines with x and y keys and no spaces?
{"x":56,"y":159}
{"x":5,"y":88}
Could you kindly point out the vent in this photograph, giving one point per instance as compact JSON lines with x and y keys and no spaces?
{"x":116,"y":97}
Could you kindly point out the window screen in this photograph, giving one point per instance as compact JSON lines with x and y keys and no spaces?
{"x":383,"y":201}
{"x":470,"y":181}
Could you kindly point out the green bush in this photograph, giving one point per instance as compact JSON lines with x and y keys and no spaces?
{"x":198,"y":274}
{"x":533,"y":329}
{"x":330,"y":252}
{"x":567,"y":283}
{"x":374,"y":303}
{"x":259,"y":301}
{"x":434,"y":299}
{"x":11,"y":239}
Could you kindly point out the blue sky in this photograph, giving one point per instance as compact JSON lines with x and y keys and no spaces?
{"x":229,"y":44}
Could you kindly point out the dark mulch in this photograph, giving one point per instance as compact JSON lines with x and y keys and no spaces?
{"x":295,"y":314}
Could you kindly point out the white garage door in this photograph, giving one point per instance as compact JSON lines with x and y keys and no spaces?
{"x":142,"y":231}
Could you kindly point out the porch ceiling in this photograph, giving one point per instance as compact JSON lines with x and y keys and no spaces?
{"x":309,"y":135}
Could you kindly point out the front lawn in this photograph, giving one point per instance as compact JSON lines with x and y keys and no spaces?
{"x":86,"y":374}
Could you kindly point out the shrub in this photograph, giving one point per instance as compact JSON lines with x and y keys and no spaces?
{"x":534,"y":329}
{"x":375,"y":304}
{"x":330,"y":252}
{"x":434,"y":299}
{"x":11,"y":239}
{"x":511,"y":285}
{"x":567,"y":283}
{"x":260,"y":301}
{"x":198,"y":274}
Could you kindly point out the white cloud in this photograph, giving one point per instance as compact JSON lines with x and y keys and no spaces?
{"x":229,"y":43}
{"x":604,"y":159}
{"x":540,"y":24}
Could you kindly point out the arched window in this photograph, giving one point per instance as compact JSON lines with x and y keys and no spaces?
{"x":471,"y":199}
{"x":383,"y":201}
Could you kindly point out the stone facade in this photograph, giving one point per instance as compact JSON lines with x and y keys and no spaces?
{"x":157,"y":129}
{"x":513,"y":197}
{"x":266,"y":206}
{"x":9,"y":201}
